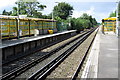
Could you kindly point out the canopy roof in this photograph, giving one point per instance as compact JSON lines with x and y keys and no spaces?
{"x":111,"y":18}
{"x":25,"y":18}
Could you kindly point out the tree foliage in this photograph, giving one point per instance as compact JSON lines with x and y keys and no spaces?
{"x":29,"y":8}
{"x":83,"y":22}
{"x":63,"y":10}
{"x":113,"y":14}
{"x":14,"y":11}
{"x":6,"y":13}
{"x":26,"y":8}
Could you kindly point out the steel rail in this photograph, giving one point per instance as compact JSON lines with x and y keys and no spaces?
{"x":44,"y":71}
{"x":74,"y":77}
{"x":31,"y":52}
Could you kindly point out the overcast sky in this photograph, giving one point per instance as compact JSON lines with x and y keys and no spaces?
{"x":97,"y":8}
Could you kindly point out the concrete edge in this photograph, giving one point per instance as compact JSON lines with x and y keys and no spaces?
{"x":91,"y":67}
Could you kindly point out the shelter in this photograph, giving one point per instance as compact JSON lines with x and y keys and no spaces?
{"x":109,"y":24}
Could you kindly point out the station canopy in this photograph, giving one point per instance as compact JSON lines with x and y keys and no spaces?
{"x":110,"y":19}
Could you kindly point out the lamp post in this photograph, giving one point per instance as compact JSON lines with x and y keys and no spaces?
{"x":52,"y":20}
{"x":53,"y":16}
{"x":18,"y":21}
{"x":117,"y":20}
{"x":69,"y":19}
{"x":0,"y":30}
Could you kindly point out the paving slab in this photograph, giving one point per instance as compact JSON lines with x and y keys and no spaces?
{"x":108,"y":56}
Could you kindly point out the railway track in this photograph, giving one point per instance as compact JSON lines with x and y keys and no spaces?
{"x":30,"y":56}
{"x":18,"y":71}
{"x":82,"y":61}
{"x":42,"y":73}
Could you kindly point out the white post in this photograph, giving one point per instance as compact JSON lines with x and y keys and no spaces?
{"x":69,"y":19}
{"x":18,"y":21}
{"x":0,"y":30}
{"x":53,"y":16}
{"x":117,"y":20}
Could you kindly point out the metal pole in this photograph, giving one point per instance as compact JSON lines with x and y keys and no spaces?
{"x":117,"y":19}
{"x":53,"y":16}
{"x":52,"y":20}
{"x":69,"y":19}
{"x":0,"y":30}
{"x":1,"y":48}
{"x":18,"y":21}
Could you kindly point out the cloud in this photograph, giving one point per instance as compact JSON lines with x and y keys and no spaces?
{"x":6,"y":3}
{"x":77,"y":14}
{"x":82,"y":0}
{"x":49,"y":7}
{"x":91,"y":11}
{"x":98,"y":16}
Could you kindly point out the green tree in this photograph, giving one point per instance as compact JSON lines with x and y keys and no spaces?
{"x":63,"y":10}
{"x":6,"y":13}
{"x":46,"y":16}
{"x":83,"y":22}
{"x":73,"y":23}
{"x":94,"y":21}
{"x":113,"y":14}
{"x":85,"y":16}
{"x":29,"y":8}
{"x":89,"y":20}
{"x":14,"y":12}
{"x":79,"y":24}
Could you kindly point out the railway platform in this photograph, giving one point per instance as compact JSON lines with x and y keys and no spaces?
{"x":13,"y":42}
{"x":108,"y":56}
{"x":103,"y":59}
{"x":19,"y":47}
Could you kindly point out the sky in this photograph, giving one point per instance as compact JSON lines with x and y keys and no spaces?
{"x":99,"y":9}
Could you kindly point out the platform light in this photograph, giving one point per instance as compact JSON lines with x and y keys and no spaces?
{"x":18,"y":20}
{"x":53,"y":16}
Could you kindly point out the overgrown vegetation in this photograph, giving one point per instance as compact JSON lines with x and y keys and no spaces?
{"x":83,"y":22}
{"x":113,"y":14}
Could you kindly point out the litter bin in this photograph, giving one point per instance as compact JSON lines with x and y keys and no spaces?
{"x":50,"y":31}
{"x":36,"y":32}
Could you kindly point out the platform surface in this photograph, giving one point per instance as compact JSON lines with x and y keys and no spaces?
{"x":13,"y":42}
{"x":108,"y":56}
{"x":103,"y":61}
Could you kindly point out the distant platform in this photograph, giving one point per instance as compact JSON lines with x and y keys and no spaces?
{"x":13,"y":42}
{"x":27,"y":45}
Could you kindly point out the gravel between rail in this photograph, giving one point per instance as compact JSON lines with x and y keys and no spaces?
{"x":41,"y":64}
{"x":67,"y":68}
